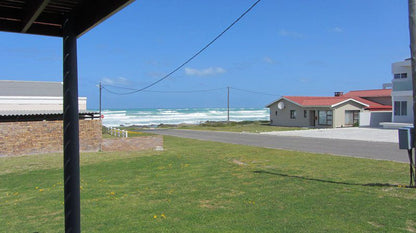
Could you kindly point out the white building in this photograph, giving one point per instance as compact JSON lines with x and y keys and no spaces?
{"x":402,"y":92}
{"x":34,"y":96}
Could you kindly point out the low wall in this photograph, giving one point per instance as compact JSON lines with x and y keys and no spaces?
{"x":133,"y":143}
{"x":373,"y":119}
{"x":38,"y":137}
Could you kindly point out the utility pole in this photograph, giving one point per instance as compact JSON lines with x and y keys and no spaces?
{"x":228,"y":104}
{"x":100,"y":99}
{"x":412,"y":33}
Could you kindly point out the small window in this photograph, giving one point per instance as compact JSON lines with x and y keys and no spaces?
{"x":403,"y":108}
{"x":400,"y":108}
{"x":305,"y":113}
{"x":292,"y":114}
{"x":400,"y":75}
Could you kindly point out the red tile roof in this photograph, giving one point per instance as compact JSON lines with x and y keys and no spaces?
{"x":369,"y":93}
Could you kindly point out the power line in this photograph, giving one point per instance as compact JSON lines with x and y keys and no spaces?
{"x":185,"y":91}
{"x":253,"y":92}
{"x":173,"y":92}
{"x":195,"y":55}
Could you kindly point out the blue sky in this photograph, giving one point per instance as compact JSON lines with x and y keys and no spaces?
{"x":297,"y":47}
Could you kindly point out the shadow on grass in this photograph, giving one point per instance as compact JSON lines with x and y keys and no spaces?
{"x":330,"y":181}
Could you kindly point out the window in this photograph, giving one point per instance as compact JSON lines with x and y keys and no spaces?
{"x":292,"y":114}
{"x":305,"y":113}
{"x":400,"y":108}
{"x":325,"y":117}
{"x":400,"y":75}
{"x":352,"y":117}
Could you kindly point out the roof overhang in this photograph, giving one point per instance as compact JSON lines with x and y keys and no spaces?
{"x":46,"y":17}
{"x":347,"y":100}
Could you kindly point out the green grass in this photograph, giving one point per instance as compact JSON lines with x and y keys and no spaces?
{"x":243,"y":126}
{"x":196,"y":186}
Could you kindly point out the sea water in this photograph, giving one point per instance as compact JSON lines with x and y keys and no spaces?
{"x":147,"y":117}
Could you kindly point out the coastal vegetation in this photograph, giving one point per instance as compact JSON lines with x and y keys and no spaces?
{"x":199,"y":186}
{"x":232,"y":126}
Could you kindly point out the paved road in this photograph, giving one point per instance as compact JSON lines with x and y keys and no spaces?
{"x":355,"y":148}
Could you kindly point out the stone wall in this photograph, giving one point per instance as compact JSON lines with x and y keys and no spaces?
{"x":37,"y":137}
{"x":133,"y":143}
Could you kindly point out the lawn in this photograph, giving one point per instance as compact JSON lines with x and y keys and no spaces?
{"x":196,"y":186}
{"x":233,"y":126}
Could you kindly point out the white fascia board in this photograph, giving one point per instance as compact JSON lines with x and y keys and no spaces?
{"x":283,"y":98}
{"x":402,"y":93}
{"x":31,"y":97}
{"x":37,"y":97}
{"x":358,"y":102}
{"x":268,"y":106}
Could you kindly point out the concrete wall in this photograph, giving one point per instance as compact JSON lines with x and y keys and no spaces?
{"x":339,"y":112}
{"x":38,"y":137}
{"x":373,"y":119}
{"x":133,"y":144}
{"x":281,"y":117}
{"x":402,"y":84}
{"x":407,"y":118}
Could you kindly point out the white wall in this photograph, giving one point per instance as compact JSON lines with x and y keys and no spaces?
{"x":402,"y":90}
{"x":28,"y":103}
{"x":407,"y":118}
{"x":281,"y":117}
{"x":373,"y":119}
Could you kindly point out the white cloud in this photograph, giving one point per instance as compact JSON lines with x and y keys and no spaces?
{"x":286,"y":33}
{"x":115,"y":81}
{"x":204,"y":72}
{"x":337,"y":29}
{"x":268,"y":60}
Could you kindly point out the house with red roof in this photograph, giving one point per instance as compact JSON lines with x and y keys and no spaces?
{"x":340,"y":110}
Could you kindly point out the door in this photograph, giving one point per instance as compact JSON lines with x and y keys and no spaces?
{"x":312,"y":118}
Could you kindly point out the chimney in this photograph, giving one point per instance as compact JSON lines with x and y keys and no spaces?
{"x":338,"y":93}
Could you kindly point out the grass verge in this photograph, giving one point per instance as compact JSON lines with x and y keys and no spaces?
{"x":243,"y":126}
{"x":196,"y":186}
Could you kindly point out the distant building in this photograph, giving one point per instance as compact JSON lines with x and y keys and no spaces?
{"x":341,"y":110}
{"x":402,"y":93}
{"x":31,"y":115}
{"x":34,"y":96}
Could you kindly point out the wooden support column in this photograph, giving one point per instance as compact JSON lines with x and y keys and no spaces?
{"x":71,"y":129}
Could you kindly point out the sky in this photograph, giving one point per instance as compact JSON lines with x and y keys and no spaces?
{"x":291,"y":47}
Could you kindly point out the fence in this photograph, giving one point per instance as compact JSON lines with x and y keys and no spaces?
{"x":117,"y":132}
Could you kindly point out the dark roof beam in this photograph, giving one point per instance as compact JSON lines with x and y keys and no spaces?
{"x":102,"y":9}
{"x":31,"y":12}
{"x":10,"y":13}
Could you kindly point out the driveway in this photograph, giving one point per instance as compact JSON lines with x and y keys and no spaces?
{"x":354,"y":148}
{"x":353,"y":133}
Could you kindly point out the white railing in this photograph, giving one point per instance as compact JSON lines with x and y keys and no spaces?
{"x":117,"y":132}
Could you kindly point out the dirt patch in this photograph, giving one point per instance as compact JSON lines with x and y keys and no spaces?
{"x":239,"y":163}
{"x":133,"y":144}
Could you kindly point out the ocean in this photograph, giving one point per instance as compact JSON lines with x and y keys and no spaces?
{"x":153,"y":117}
